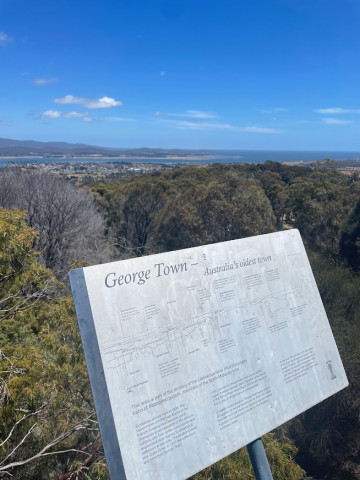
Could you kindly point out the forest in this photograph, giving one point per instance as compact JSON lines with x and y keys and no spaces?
{"x":48,"y":428}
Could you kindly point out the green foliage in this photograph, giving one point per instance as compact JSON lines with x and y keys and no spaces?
{"x":350,"y":242}
{"x":238,"y":466}
{"x":184,"y":207}
{"x":21,"y":278}
{"x":131,"y":206}
{"x":193,"y":205}
{"x":45,"y":398}
{"x":221,"y":202}
{"x":328,"y":435}
{"x":320,"y":207}
{"x":231,"y":207}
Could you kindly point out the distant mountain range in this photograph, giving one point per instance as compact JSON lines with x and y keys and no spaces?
{"x":32,"y":148}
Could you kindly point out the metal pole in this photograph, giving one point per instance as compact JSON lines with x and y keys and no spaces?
{"x":259,"y":460}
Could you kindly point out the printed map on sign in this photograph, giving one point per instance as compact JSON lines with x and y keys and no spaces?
{"x":204,"y":319}
{"x":208,"y":348}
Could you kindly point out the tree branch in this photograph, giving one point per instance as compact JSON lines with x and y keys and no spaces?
{"x":17,"y":446}
{"x":44,"y":451}
{"x":17,"y":423}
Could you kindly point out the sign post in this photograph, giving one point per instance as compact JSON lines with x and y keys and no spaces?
{"x":195,"y":353}
{"x":259,"y":460}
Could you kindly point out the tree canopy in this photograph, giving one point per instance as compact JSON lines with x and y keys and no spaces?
{"x":48,"y":429}
{"x":67,"y":220}
{"x":45,"y":399}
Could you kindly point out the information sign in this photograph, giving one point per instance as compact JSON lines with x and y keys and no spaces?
{"x":195,"y":353}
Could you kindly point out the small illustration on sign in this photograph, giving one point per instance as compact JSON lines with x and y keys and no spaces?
{"x":330,"y":367}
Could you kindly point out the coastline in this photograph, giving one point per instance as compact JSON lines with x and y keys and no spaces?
{"x":97,"y":157}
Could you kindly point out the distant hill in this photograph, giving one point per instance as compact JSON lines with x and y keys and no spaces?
{"x":18,"y":148}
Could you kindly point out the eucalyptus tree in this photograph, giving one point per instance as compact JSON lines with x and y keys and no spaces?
{"x":350,"y":241}
{"x":224,"y":209}
{"x":48,"y":428}
{"x":69,"y":225}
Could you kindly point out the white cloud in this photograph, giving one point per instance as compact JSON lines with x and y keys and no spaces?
{"x":104,"y":102}
{"x":186,"y":125}
{"x":51,"y":114}
{"x":189,"y":114}
{"x":336,"y":111}
{"x":335,"y":121}
{"x":89,"y":119}
{"x":201,"y":120}
{"x":274,"y":111}
{"x":58,"y":114}
{"x":199,"y":114}
{"x":120,"y":119}
{"x":261,"y":130}
{"x":4,"y":39}
{"x":44,"y":81}
{"x":84,"y":115}
{"x":73,"y":115}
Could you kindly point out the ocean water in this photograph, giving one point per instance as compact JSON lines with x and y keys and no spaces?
{"x":218,"y":156}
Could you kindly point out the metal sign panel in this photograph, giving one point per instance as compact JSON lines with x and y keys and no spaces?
{"x":195,"y":353}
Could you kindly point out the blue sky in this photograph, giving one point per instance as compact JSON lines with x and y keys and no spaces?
{"x":229,"y":74}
